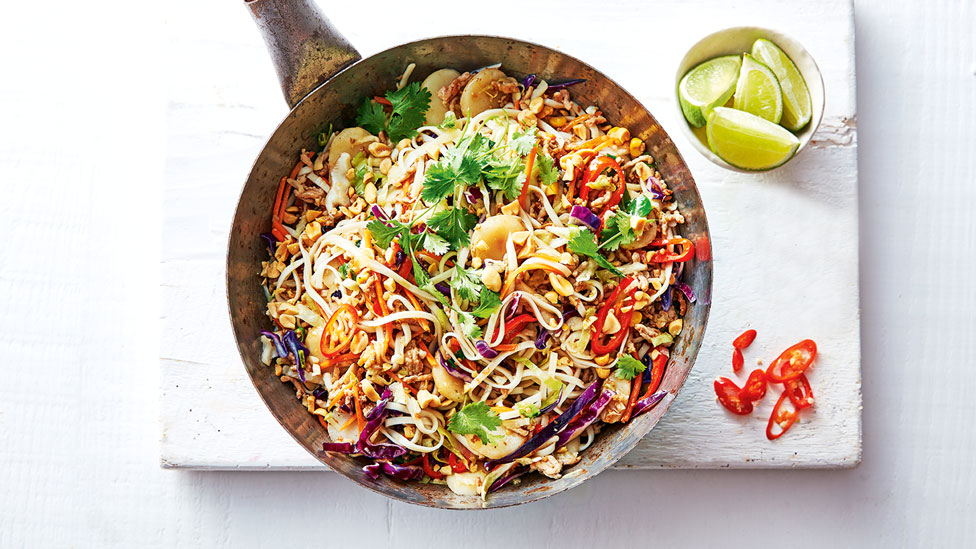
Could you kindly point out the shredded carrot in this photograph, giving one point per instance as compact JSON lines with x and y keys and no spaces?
{"x":367,"y":239}
{"x":360,"y":420}
{"x":388,"y":327}
{"x":634,"y":391}
{"x":322,"y":421}
{"x":348,"y":422}
{"x":295,"y":170}
{"x":281,"y":201}
{"x":587,"y":156}
{"x":416,"y":305}
{"x":339,"y":395}
{"x":284,"y":199}
{"x":405,"y":386}
{"x":277,"y":202}
{"x":569,"y":125}
{"x":276,"y":212}
{"x":504,"y":348}
{"x":284,"y":203}
{"x":335,"y":361}
{"x":528,"y":176}
{"x":592,"y":143}
{"x":430,"y":356}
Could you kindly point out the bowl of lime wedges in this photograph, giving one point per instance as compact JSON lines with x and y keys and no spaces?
{"x":751,"y":98}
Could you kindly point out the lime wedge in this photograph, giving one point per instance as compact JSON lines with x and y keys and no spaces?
{"x":747,"y":141}
{"x":797,"y":107}
{"x":757,"y":91}
{"x":707,"y":86}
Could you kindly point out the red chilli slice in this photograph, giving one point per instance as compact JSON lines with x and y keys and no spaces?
{"x":783,"y":416}
{"x":729,"y":395}
{"x":755,"y":387}
{"x":744,"y":340}
{"x":799,"y":391}
{"x":792,"y":362}
{"x":737,"y":360}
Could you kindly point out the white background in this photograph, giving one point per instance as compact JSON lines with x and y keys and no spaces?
{"x":83,"y":91}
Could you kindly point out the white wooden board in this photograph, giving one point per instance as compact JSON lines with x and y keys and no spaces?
{"x":785,"y":244}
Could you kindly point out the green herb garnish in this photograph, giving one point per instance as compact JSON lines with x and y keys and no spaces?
{"x":490,"y":302}
{"x":453,"y":225}
{"x":618,"y":231}
{"x":523,"y":142}
{"x":408,"y":112}
{"x":467,"y":284}
{"x":628,"y":367}
{"x":583,"y":243}
{"x":475,"y":419}
{"x":545,"y":169}
{"x":444,"y":177}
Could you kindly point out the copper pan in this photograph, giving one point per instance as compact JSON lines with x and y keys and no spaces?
{"x":324,"y":78}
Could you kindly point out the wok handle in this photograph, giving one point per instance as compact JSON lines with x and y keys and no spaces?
{"x":305,"y":48}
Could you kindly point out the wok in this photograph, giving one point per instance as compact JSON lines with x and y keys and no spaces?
{"x":323,"y":79}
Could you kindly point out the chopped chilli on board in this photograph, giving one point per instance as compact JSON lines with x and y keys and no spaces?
{"x":788,"y":369}
{"x":473,"y":280}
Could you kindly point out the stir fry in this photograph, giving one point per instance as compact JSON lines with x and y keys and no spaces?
{"x":475,"y":278}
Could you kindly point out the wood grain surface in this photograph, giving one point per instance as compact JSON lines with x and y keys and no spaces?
{"x":83,"y":138}
{"x":785,"y":260}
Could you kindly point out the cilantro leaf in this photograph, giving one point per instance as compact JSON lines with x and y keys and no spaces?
{"x":582,"y":243}
{"x":422,"y":279}
{"x":410,"y":105}
{"x":618,"y":231}
{"x":371,"y":117}
{"x":490,"y":302}
{"x":523,"y":142}
{"x":506,"y":176}
{"x":467,"y":284}
{"x":443,"y":177}
{"x":625,"y":200}
{"x":475,"y":145}
{"x":469,"y":325}
{"x":408,"y":112}
{"x":344,"y":270}
{"x":475,"y":419}
{"x":640,"y":206}
{"x":453,"y":225}
{"x":382,"y":233}
{"x":628,"y":367}
{"x":439,"y":182}
{"x":435,"y":244}
{"x":450,"y":120}
{"x":546,"y":169}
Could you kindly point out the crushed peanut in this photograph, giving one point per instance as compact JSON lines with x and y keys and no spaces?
{"x":379,"y":150}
